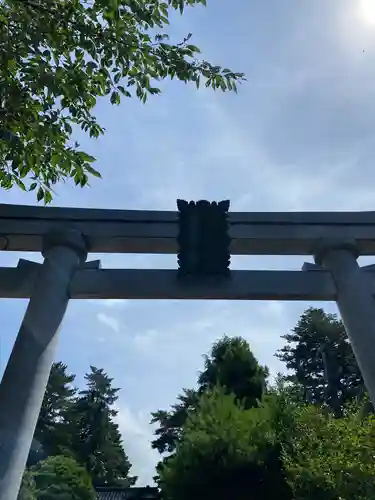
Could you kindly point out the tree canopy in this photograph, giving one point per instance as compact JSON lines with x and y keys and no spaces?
{"x":235,"y":435}
{"x":305,"y":436}
{"x":58,"y":399}
{"x":329,"y":458}
{"x":81,"y":427}
{"x":95,"y":439}
{"x":60,"y":57}
{"x":320,"y":357}
{"x":225,"y":452}
{"x":62,"y":478}
{"x":28,"y":487}
{"x":231,"y":365}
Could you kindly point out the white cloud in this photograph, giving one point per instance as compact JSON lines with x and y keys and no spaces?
{"x":284,"y":143}
{"x":137,"y":434}
{"x":109,"y":321}
{"x":178,"y":345}
{"x":110,"y":303}
{"x":143,"y":342}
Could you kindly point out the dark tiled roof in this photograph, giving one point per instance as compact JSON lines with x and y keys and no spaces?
{"x":111,"y":495}
{"x":146,"y":493}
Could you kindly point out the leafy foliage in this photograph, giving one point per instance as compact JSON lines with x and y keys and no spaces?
{"x":225,"y":452}
{"x":329,"y":458}
{"x":231,"y":365}
{"x":321,"y":359}
{"x":61,"y":478}
{"x":234,"y":367}
{"x":235,"y":438}
{"x":59,"y":57}
{"x":232,"y":437}
{"x":28,"y":487}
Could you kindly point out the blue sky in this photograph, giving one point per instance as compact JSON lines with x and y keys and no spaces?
{"x":300,"y":135}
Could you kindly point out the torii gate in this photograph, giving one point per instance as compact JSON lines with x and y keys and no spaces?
{"x":66,"y":235}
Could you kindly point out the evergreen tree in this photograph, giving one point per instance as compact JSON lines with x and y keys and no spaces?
{"x":49,"y":436}
{"x":95,"y":437}
{"x":234,"y":367}
{"x":170,"y":422}
{"x":231,"y":365}
{"x":226,"y":440}
{"x":321,"y":359}
{"x":62,"y":478}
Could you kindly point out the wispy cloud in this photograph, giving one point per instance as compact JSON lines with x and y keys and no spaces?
{"x":143,"y":342}
{"x":299,"y":136}
{"x":109,"y":303}
{"x":109,"y":321}
{"x":137,"y":433}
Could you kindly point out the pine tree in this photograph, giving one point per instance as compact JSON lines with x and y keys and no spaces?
{"x":49,"y":436}
{"x":170,"y":422}
{"x":321,"y":359}
{"x":95,"y":436}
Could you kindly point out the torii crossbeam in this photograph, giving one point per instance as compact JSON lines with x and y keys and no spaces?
{"x":66,"y":235}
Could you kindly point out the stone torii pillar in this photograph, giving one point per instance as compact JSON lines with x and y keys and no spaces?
{"x":355,"y":302}
{"x":26,"y":375}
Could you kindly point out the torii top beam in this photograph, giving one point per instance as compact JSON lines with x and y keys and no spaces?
{"x":141,"y":231}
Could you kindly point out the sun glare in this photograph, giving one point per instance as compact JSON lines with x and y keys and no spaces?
{"x":367,"y":11}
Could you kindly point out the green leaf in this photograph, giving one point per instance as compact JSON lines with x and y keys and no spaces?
{"x":84,"y":180}
{"x":93,"y":172}
{"x":47,"y":197}
{"x":193,"y":48}
{"x":77,"y":178}
{"x":68,"y":128}
{"x":20,"y":184}
{"x":85,"y":157}
{"x":91,"y":66}
{"x":115,"y":98}
{"x":124,"y":92}
{"x":40,"y":194}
